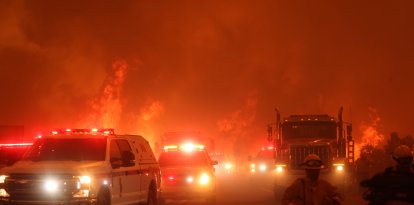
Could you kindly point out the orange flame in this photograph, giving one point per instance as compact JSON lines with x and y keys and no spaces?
{"x":236,"y":125}
{"x":370,"y":133}
{"x":107,"y":108}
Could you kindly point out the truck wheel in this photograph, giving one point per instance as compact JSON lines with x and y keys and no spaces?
{"x":103,"y":197}
{"x":152,"y":195}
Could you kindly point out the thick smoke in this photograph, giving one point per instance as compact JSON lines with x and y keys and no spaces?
{"x":191,"y":65}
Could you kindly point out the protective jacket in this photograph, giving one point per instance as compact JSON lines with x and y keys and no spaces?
{"x":306,"y":192}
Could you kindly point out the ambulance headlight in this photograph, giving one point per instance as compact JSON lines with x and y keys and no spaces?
{"x":51,"y":186}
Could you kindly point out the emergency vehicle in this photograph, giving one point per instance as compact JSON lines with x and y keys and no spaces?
{"x":297,"y":136}
{"x":83,"y":166}
{"x":187,"y":173}
{"x":263,"y":162}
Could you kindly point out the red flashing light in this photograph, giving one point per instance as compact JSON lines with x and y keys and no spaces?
{"x":94,"y":131}
{"x":188,"y":147}
{"x":16,"y":145}
{"x":268,"y":148}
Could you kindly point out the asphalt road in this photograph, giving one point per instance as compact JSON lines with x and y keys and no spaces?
{"x":243,"y":190}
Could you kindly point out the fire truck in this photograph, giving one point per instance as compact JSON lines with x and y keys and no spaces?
{"x":297,"y":136}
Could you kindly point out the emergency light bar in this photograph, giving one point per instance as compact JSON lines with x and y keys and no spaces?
{"x":269,"y":148}
{"x":16,"y":145}
{"x":94,"y":131}
{"x":185,"y":147}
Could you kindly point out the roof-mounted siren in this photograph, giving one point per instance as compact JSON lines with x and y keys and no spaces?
{"x":94,"y":131}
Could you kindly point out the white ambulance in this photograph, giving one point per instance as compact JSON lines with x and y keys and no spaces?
{"x":83,"y":166}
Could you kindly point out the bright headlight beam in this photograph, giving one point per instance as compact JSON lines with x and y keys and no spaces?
{"x":340,"y":168}
{"x":204,"y":179}
{"x":279,"y":169}
{"x":262,"y":167}
{"x":190,"y":179}
{"x":51,"y":186}
{"x":2,"y":178}
{"x":228,"y":166}
{"x":85,"y":179}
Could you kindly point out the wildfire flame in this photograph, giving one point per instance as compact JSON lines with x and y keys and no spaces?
{"x":370,"y":134}
{"x":234,"y":128}
{"x":107,"y":109}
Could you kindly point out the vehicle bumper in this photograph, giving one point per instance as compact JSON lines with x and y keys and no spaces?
{"x":187,"y":192}
{"x":84,"y":201}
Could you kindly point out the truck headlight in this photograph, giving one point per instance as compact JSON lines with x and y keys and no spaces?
{"x":2,"y":179}
{"x":84,"y":182}
{"x":85,"y":179}
{"x":339,"y":167}
{"x":280,"y":168}
{"x":51,"y":186}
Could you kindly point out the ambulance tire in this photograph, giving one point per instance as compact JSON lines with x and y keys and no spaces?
{"x":103,"y":197}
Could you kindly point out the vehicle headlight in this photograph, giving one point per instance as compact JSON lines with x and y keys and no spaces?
{"x":51,"y":185}
{"x":3,"y":192}
{"x":262,"y":167}
{"x":204,"y":179}
{"x":2,"y":179}
{"x":190,"y":179}
{"x":228,"y":166}
{"x":280,"y":168}
{"x":85,"y":179}
{"x":84,"y":182}
{"x":339,"y":167}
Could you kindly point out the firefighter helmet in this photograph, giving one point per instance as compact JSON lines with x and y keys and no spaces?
{"x":402,"y":151}
{"x":312,"y":161}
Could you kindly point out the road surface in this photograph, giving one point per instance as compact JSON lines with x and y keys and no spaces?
{"x":243,"y":190}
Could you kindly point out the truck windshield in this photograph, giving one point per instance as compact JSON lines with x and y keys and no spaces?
{"x":295,"y":130}
{"x":187,"y":159}
{"x":52,"y":149}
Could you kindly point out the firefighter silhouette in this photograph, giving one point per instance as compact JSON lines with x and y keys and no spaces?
{"x":395,"y":184}
{"x":310,"y":190}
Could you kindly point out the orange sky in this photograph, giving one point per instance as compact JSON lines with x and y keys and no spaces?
{"x":213,"y":66}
